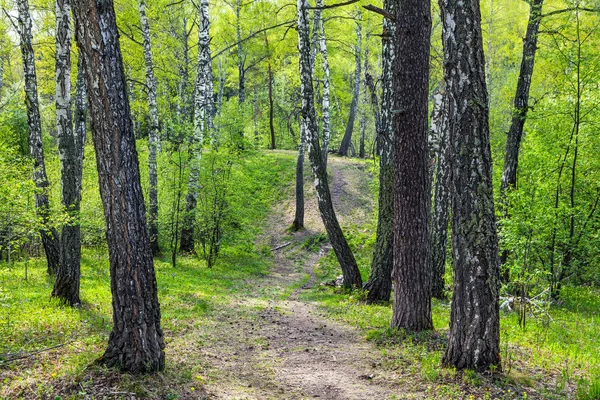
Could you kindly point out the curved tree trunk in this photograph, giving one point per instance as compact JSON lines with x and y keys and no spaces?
{"x":202,"y":121}
{"x":49,"y":235}
{"x":298,"y":223}
{"x":412,"y":278}
{"x":70,"y":146}
{"x":340,"y":246}
{"x":441,"y":196}
{"x":347,"y":139}
{"x":136,"y":341}
{"x":474,"y":338}
{"x":379,"y":286}
{"x":154,"y":132}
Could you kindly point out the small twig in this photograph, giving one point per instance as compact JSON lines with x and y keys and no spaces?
{"x":345,"y":3}
{"x":27,"y":355}
{"x":380,"y":11}
{"x":281,"y":246}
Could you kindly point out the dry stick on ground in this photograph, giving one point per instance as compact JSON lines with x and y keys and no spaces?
{"x":281,"y":246}
{"x":27,"y":355}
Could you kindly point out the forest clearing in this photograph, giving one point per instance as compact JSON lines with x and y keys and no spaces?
{"x":256,"y":199}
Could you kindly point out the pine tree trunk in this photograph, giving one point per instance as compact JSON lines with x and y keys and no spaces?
{"x":340,"y":246}
{"x":154,"y":132}
{"x":136,"y":342}
{"x":50,"y":239}
{"x":202,"y":121}
{"x":379,"y":285}
{"x":326,"y":94}
{"x":412,"y":278}
{"x":441,"y":196}
{"x":298,"y":223}
{"x":474,"y":338}
{"x":521,"y":107}
{"x":347,"y":139}
{"x":70,"y":146}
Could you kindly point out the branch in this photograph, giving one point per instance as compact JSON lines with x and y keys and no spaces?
{"x":10,"y":18}
{"x":380,"y":11}
{"x":281,"y":246}
{"x":569,"y":10}
{"x":27,"y":355}
{"x":345,"y":3}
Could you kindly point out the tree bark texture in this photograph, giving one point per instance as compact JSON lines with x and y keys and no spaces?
{"x":154,"y":132}
{"x":136,"y":341}
{"x":202,"y":121}
{"x":441,"y":195}
{"x":70,"y":146}
{"x":340,"y":246}
{"x":240,"y":54}
{"x":325,"y":100}
{"x":271,"y":107}
{"x":50,"y":239}
{"x":474,"y":338}
{"x":347,"y":139}
{"x":379,"y":285}
{"x":412,"y":278}
{"x":298,"y":223}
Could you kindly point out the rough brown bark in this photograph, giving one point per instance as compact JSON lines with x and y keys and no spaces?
{"x":136,"y":340}
{"x":347,"y":139}
{"x":474,"y":337}
{"x":298,"y":223}
{"x":340,"y":246}
{"x":49,"y":235}
{"x":412,"y":278}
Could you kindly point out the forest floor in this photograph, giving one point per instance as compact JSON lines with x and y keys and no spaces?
{"x":272,"y":326}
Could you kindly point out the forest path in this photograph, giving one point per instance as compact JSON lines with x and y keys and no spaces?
{"x":287,"y":349}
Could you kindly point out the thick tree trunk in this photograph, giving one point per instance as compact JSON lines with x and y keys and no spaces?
{"x":136,"y":341}
{"x":379,"y":286}
{"x":340,"y":246}
{"x":49,"y":235}
{"x":70,"y":146}
{"x":441,"y":196}
{"x":154,"y":132}
{"x":412,"y":278}
{"x":474,"y":338}
{"x":347,"y":139}
{"x":320,"y":29}
{"x":202,"y":120}
{"x":521,"y":107}
{"x":298,"y":223}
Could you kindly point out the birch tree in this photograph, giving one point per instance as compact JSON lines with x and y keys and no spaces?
{"x":325,"y":100}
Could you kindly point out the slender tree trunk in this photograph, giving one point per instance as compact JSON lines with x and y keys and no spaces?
{"x":379,"y":286}
{"x":347,"y":139}
{"x":154,"y":132}
{"x":474,"y":338}
{"x":255,"y":113}
{"x":240,"y":54}
{"x":521,"y":107}
{"x":70,"y":146}
{"x":326,"y":95}
{"x":441,"y":196}
{"x":271,"y":108}
{"x":49,"y":235}
{"x":222,"y":79}
{"x":412,"y":278}
{"x":202,"y":121}
{"x":340,"y":246}
{"x":363,"y":104}
{"x":136,"y":342}
{"x":298,"y":223}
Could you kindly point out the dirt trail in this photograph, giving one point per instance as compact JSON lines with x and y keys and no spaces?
{"x":297,"y":352}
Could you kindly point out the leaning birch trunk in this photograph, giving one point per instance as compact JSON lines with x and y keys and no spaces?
{"x":49,"y":235}
{"x":441,"y":196}
{"x":70,"y":147}
{"x":136,"y":342}
{"x":298,"y":223}
{"x":340,"y":246}
{"x":154,"y":133}
{"x":347,"y":139}
{"x":474,"y":337}
{"x":201,"y":118}
{"x":326,"y":95}
{"x":379,"y":285}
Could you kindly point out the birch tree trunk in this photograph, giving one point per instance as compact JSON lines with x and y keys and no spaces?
{"x":271,"y":108}
{"x":240,"y":54}
{"x":340,"y":246}
{"x":154,"y":132}
{"x":202,"y":121}
{"x":379,"y":285}
{"x":347,"y":139}
{"x":70,"y":147}
{"x":50,"y":239}
{"x":326,"y":95}
{"x":474,"y":337}
{"x":441,"y":195}
{"x":412,"y":278}
{"x":136,"y":341}
{"x":363,"y":103}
